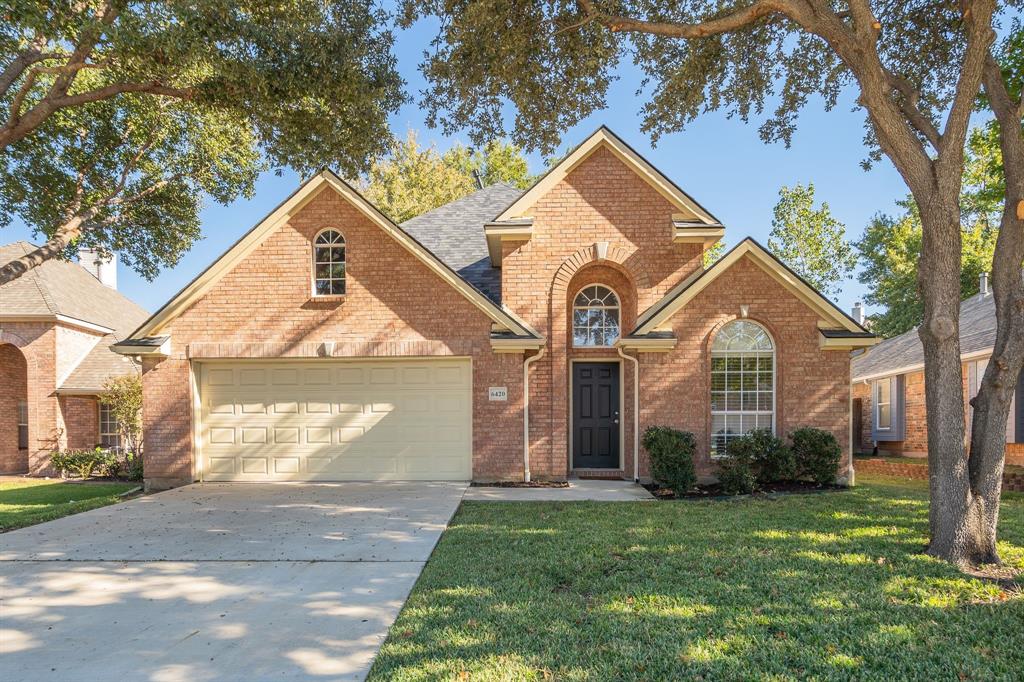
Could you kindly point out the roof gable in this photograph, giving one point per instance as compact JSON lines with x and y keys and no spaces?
{"x":688,"y":208}
{"x":323,"y":181}
{"x":656,"y":317}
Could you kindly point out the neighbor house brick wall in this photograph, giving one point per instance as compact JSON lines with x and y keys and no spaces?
{"x":37,"y":342}
{"x":812,"y":385}
{"x":394,"y":305}
{"x":915,"y":443}
{"x":80,"y":415}
{"x":862,"y":392}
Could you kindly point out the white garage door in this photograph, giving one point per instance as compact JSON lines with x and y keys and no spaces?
{"x":335,"y":420}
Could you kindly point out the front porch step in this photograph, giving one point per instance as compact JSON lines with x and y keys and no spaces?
{"x":600,"y":474}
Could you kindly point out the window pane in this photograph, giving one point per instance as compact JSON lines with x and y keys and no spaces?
{"x":883,"y":391}
{"x":750,"y":364}
{"x":717,"y":364}
{"x":732,"y":381}
{"x":749,"y":401}
{"x":733,"y":364}
{"x":884,"y":416}
{"x":323,"y":271}
{"x":749,"y":382}
{"x":337,"y":286}
{"x":337,"y":254}
{"x":764,"y":402}
{"x":717,"y":400}
{"x":732,"y":401}
{"x":323,"y":287}
{"x":717,"y":381}
{"x":764,"y":363}
{"x":764,"y":381}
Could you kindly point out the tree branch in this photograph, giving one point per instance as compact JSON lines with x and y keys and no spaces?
{"x":909,"y":107}
{"x":729,"y":22}
{"x":62,"y":237}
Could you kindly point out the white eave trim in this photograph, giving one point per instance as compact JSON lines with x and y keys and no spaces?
{"x":516,"y":345}
{"x":655,"y":345}
{"x":606,"y":138}
{"x":63,"y":319}
{"x":496,"y":233}
{"x":846,"y":343}
{"x":130,"y":349}
{"x":303,"y":195}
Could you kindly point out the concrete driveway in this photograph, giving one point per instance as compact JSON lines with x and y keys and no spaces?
{"x":218,"y":582}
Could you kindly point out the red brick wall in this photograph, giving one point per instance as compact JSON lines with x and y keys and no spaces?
{"x":601,"y":200}
{"x":863,"y":392}
{"x":14,"y":379}
{"x":81,"y":421}
{"x":812,"y":385}
{"x":394,"y":305}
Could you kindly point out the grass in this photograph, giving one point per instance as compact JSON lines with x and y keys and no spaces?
{"x":30,"y":501}
{"x":819,"y":586}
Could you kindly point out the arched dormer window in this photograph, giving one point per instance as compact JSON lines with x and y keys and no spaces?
{"x":595,"y":317}
{"x":742,"y":382}
{"x":328,"y":263}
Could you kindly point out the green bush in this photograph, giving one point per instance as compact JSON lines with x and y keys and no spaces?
{"x":133,"y":466}
{"x":82,"y":463}
{"x":770,"y":458}
{"x":671,"y":454}
{"x":817,"y":454}
{"x":736,"y":473}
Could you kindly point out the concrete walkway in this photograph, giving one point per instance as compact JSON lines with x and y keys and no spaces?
{"x":578,"y":490}
{"x":218,"y":582}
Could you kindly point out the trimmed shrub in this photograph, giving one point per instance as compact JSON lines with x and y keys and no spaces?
{"x":133,"y":466}
{"x":736,"y":474}
{"x":82,"y":463}
{"x":671,"y":454}
{"x":817,"y":454}
{"x":769,"y":456}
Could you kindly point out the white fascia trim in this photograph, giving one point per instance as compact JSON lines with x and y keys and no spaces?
{"x":516,"y":345}
{"x":63,"y":319}
{"x":687,"y":290}
{"x":846,"y":343}
{"x":647,"y":345}
{"x":248,"y":243}
{"x":127,"y":348}
{"x":643,"y":168}
{"x":495,"y":234}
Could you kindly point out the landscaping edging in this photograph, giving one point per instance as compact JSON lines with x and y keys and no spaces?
{"x":1011,"y":481}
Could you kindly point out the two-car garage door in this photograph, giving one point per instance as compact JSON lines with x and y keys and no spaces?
{"x":335,"y":420}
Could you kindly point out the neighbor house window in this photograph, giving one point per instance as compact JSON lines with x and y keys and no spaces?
{"x":22,"y":425}
{"x":742,"y":383}
{"x":110,"y":429}
{"x":595,"y":317}
{"x":883,"y":405}
{"x":329,"y":263}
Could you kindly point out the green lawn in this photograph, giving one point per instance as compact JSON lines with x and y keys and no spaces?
{"x":30,"y":501}
{"x":820,"y":586}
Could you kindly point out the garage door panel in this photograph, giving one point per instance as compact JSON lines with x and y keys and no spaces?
{"x":336,"y":421}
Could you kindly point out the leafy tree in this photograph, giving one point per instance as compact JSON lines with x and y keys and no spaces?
{"x":890,"y":250}
{"x":411,"y":179}
{"x":712,"y":254}
{"x":306,"y":82}
{"x":810,"y":240}
{"x":916,"y":69}
{"x":123,"y":395}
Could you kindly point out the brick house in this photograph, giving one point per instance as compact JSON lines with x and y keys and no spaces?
{"x":888,"y":385}
{"x":505,"y":336}
{"x":57,"y":323}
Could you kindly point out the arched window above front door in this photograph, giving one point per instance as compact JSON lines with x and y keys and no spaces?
{"x":595,"y":317}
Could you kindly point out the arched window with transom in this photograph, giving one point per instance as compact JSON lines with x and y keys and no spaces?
{"x":595,"y":317}
{"x":742,"y":382}
{"x":329,"y":263}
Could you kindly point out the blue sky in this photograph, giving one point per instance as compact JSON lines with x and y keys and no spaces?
{"x":720,"y":162}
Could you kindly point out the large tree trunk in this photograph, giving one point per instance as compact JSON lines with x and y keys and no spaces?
{"x":62,"y":238}
{"x":955,"y":515}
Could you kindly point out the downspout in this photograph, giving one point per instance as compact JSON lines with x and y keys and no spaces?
{"x":526,"y":411}
{"x":636,"y":412}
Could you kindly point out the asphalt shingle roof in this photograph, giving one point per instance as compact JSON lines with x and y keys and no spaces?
{"x":59,"y":287}
{"x":977,"y":333}
{"x":455,"y":234}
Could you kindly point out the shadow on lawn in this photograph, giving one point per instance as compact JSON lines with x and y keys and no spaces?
{"x":831,"y":586}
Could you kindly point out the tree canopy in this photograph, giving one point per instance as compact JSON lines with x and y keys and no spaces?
{"x":412,"y":179}
{"x":810,"y":240}
{"x":102,"y":100}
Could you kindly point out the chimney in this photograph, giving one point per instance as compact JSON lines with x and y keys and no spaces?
{"x":103,"y":268}
{"x":858,"y":313}
{"x":983,"y":284}
{"x":477,"y":179}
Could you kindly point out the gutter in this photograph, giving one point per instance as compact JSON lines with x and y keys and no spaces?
{"x":636,"y":412}
{"x":526,"y":411}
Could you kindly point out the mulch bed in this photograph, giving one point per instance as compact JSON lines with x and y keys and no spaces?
{"x":714,"y":491}
{"x":521,"y":484}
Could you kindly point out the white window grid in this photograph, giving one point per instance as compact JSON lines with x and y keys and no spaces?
{"x":329,"y":263}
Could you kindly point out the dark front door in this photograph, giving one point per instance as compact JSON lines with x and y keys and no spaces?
{"x":595,"y":415}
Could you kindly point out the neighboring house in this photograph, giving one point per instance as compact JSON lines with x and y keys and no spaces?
{"x":888,"y":385}
{"x":495,"y":338}
{"x":57,"y":323}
